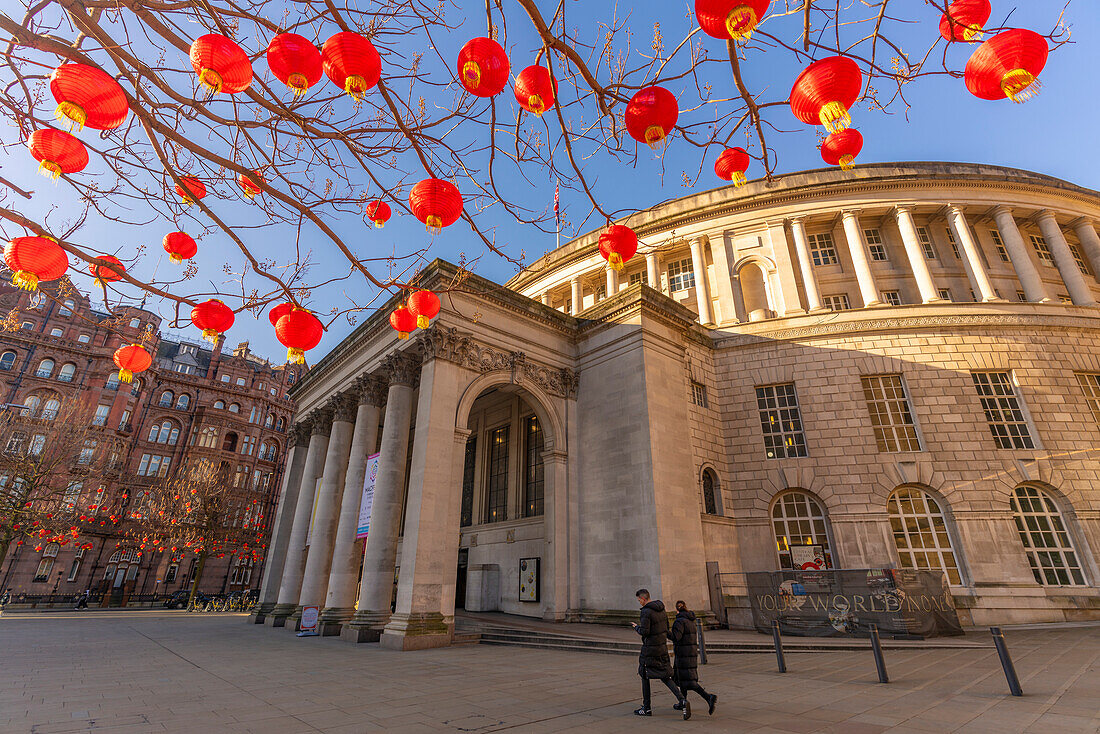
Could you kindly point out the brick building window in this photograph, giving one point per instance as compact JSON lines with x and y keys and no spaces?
{"x":837,"y":302}
{"x":1045,"y":537}
{"x":534,"y":483}
{"x":681,"y":275}
{"x":1003,"y":410}
{"x":496,"y":508}
{"x":799,"y":520}
{"x":920,"y":533}
{"x":49,"y":554}
{"x":1041,"y":249}
{"x":101,"y":413}
{"x":7,"y":360}
{"x":74,"y":569}
{"x":925,"y":239}
{"x":1090,"y":385}
{"x":891,"y":417}
{"x":699,"y":394}
{"x":822,"y":248}
{"x":780,"y":421}
{"x":875,"y":247}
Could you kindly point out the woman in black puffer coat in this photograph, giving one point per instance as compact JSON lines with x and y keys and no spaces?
{"x":685,"y":644}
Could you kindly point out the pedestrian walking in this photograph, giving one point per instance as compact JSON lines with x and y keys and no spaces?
{"x":653,"y":662}
{"x":82,"y":600}
{"x":5,"y":599}
{"x":685,"y":644}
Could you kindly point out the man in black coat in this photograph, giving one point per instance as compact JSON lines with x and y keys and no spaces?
{"x":685,"y":643}
{"x":653,"y":660}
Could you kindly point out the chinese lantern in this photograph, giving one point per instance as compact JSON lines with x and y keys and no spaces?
{"x":179,"y":246}
{"x":34,"y":259}
{"x":379,"y":213}
{"x":824,"y":92}
{"x":483,"y":67}
{"x":651,"y":115}
{"x":131,"y":360}
{"x":87,"y":96}
{"x":213,"y":317}
{"x":57,"y":152}
{"x":731,"y":165}
{"x":436,"y":203}
{"x":840,"y":149}
{"x":727,"y":19}
{"x":248,"y":184}
{"x":294,"y":61}
{"x":108,"y":273}
{"x":1007,"y":65}
{"x":190,"y":189}
{"x":424,"y":305}
{"x":964,"y":20}
{"x":352,"y":63}
{"x":618,"y":243}
{"x":535,"y":90}
{"x":403,"y":321}
{"x":221,"y":64}
{"x":298,"y":331}
{"x":278,"y":312}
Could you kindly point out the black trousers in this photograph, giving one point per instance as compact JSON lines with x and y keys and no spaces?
{"x":667,"y":681}
{"x":694,"y":686}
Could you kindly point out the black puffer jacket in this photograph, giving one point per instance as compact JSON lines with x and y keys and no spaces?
{"x":685,"y":643}
{"x":653,"y":660}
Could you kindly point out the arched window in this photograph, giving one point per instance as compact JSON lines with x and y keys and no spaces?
{"x":219,"y":404}
{"x":154,"y":433}
{"x":7,"y":360}
{"x":49,"y":553}
{"x":50,"y":409}
{"x":263,"y":450}
{"x":67,"y":309}
{"x":1045,"y":537}
{"x":208,"y":437}
{"x":84,"y":338}
{"x":169,"y":433}
{"x":31,"y":404}
{"x":57,"y":331}
{"x":67,"y":372}
{"x":123,"y":566}
{"x":135,"y":323}
{"x":230,"y":442}
{"x":280,"y":424}
{"x":135,"y":387}
{"x":112,"y":381}
{"x":183,"y":401}
{"x":166,"y":398}
{"x":234,"y":408}
{"x":270,"y":420}
{"x":920,"y":533}
{"x":801,"y":530}
{"x":45,"y":368}
{"x":710,"y":492}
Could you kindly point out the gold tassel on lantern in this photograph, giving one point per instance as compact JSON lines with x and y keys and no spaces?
{"x":834,"y":117}
{"x":125,"y":375}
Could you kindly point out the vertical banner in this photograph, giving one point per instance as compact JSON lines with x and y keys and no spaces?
{"x":307,"y":627}
{"x":368,"y":497}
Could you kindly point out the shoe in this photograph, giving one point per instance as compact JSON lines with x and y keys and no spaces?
{"x":677,"y":706}
{"x":687,"y":709}
{"x":713,"y":702}
{"x":643,"y":711}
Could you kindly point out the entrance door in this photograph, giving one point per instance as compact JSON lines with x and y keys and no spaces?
{"x":460,"y":581}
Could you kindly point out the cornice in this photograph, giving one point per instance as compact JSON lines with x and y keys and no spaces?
{"x":652,"y":303}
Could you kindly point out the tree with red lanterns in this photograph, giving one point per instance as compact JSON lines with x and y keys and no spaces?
{"x":190,"y":113}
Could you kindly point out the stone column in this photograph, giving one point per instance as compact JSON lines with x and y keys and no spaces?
{"x":294,"y":566}
{"x":577,"y":295}
{"x":723,"y":280}
{"x":853,"y":233}
{"x":972,"y":259}
{"x":805,"y":264}
{"x":1034,"y":288}
{"x":380,"y":554}
{"x":612,"y":277}
{"x":555,"y":463}
{"x":346,"y":551}
{"x":1071,"y":274}
{"x":323,"y":535}
{"x":702,"y":284}
{"x":1090,"y":242}
{"x":284,"y":519}
{"x":915,"y":253}
{"x":545,"y":298}
{"x":653,"y":270}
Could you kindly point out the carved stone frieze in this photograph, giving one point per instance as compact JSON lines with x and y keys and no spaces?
{"x":403,"y":369}
{"x":443,"y":342}
{"x":372,"y":390}
{"x":344,"y":406}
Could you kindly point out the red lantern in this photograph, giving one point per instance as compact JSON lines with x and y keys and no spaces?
{"x":294,"y":61}
{"x":190,"y":189}
{"x":34,"y":259}
{"x":483,"y":67}
{"x":727,"y":19}
{"x":221,"y":64}
{"x":403,"y":321}
{"x":964,"y":20}
{"x":131,"y":360}
{"x":436,"y":203}
{"x":1007,"y":65}
{"x":213,"y":317}
{"x":88,"y":96}
{"x":352,"y":63}
{"x":732,"y":164}
{"x":108,"y":273}
{"x":618,"y":244}
{"x":379,"y":213}
{"x":298,"y":331}
{"x":651,"y":116}
{"x":278,"y":312}
{"x":535,"y":90}
{"x":249,"y":185}
{"x":179,"y":246}
{"x":424,"y":305}
{"x":840,"y":149}
{"x":825,"y":91}
{"x":57,"y":152}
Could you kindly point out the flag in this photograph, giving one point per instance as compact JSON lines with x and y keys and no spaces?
{"x":556,"y":199}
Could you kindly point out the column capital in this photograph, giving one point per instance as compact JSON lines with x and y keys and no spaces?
{"x":299,"y":433}
{"x":850,"y":213}
{"x":796,"y":219}
{"x":1045,"y":214}
{"x":576,"y":279}
{"x":343,"y":407}
{"x":1002,"y":209}
{"x":321,"y":421}
{"x":956,"y":209}
{"x":402,"y":368}
{"x":372,"y":390}
{"x":698,"y":240}
{"x":1082,"y":221}
{"x":903,"y":208}
{"x":443,"y":342}
{"x":462,"y":434}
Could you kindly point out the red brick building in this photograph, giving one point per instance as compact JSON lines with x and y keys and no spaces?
{"x":194,"y":401}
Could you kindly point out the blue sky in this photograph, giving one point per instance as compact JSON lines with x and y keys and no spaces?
{"x":1053,"y":134}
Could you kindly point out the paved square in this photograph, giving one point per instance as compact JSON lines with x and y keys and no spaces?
{"x":140,"y":672}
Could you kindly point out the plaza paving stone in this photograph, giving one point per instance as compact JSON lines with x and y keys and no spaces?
{"x":151,"y":671}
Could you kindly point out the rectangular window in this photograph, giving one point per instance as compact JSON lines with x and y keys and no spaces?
{"x":101,"y":413}
{"x":1076,"y":252}
{"x":699,"y":394}
{"x":534,"y":473}
{"x":944,"y":293}
{"x":170,"y":575}
{"x":636,"y":278}
{"x":497,"y":489}
{"x":72,"y":494}
{"x":999,"y":244}
{"x":838,"y":302}
{"x":875,"y":246}
{"x":468,"y":466}
{"x":1041,"y":249}
{"x":1002,"y":409}
{"x":681,"y":276}
{"x":892,"y":297}
{"x":1021,"y":296}
{"x":1090,"y":384}
{"x":954,"y":245}
{"x":925,"y":239}
{"x":780,"y":421}
{"x":822,"y":249}
{"x":240,"y":382}
{"x":891,"y":417}
{"x":1064,"y":298}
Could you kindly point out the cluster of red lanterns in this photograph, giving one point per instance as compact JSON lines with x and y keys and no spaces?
{"x":416,"y":313}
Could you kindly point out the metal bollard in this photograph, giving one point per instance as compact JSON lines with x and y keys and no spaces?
{"x":876,"y":648}
{"x":778,"y":647}
{"x":702,"y":642}
{"x":1006,"y":661}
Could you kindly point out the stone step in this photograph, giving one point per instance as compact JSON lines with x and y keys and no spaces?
{"x":466,"y":638}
